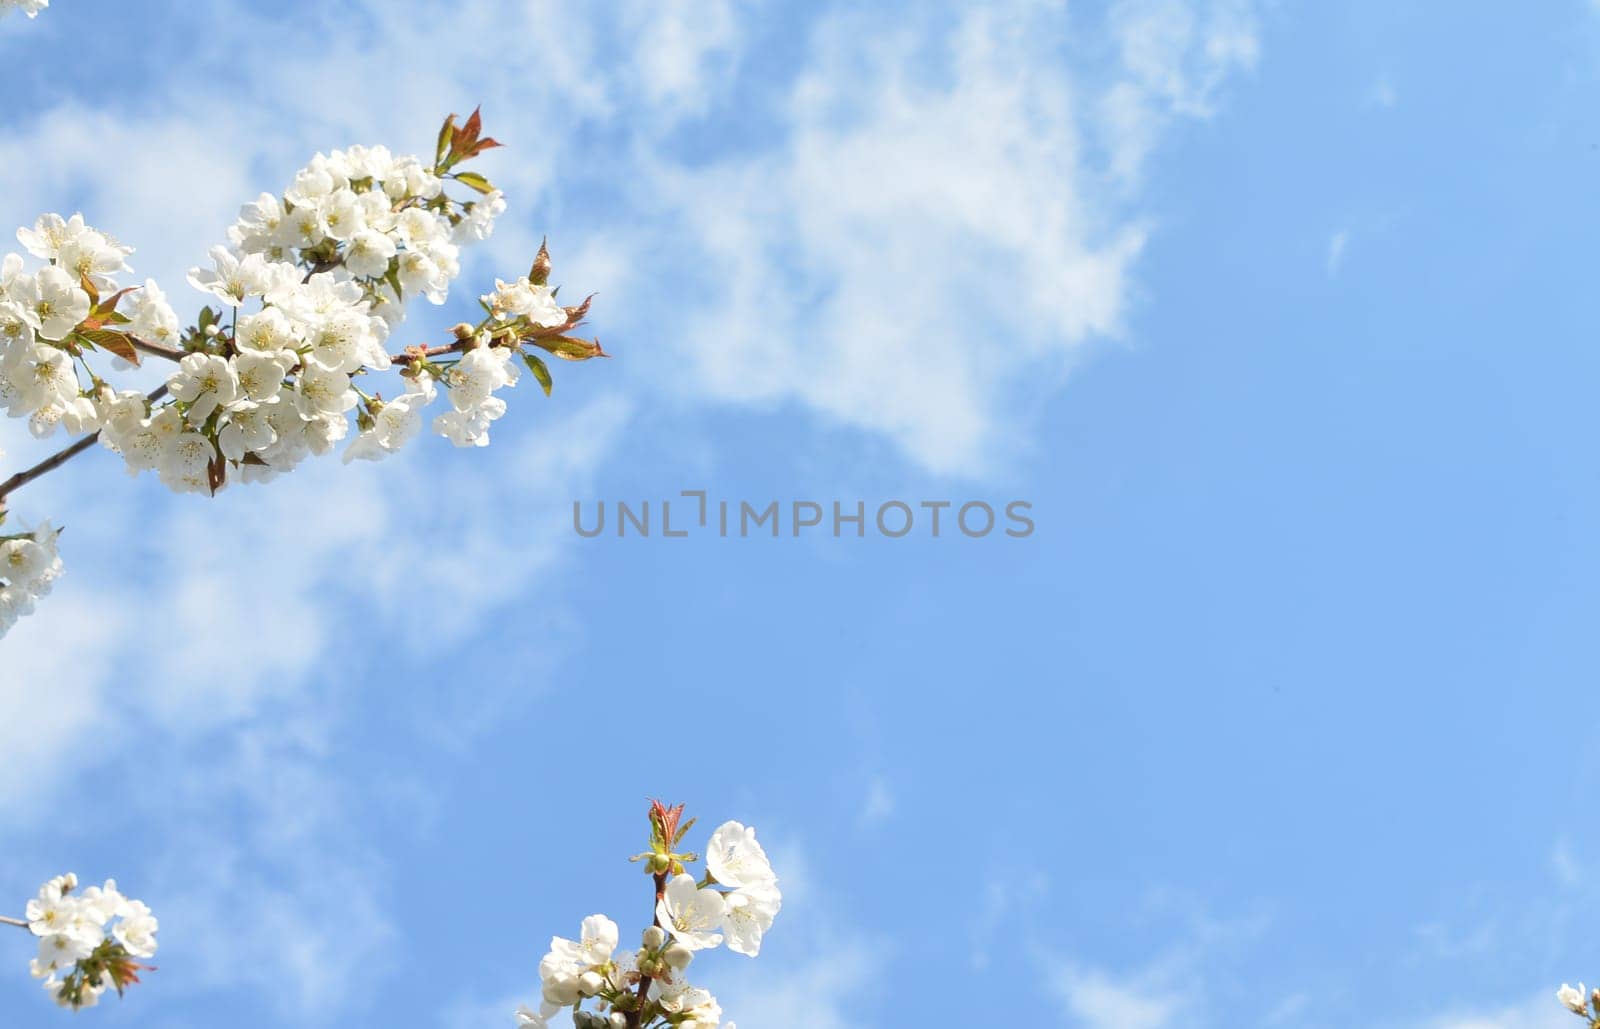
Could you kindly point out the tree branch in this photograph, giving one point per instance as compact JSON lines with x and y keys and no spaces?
{"x":19,"y":923}
{"x":158,"y":349}
{"x":61,"y":457}
{"x":635,"y":1017}
{"x":410,"y":354}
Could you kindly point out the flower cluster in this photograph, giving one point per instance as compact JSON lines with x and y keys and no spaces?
{"x":89,"y":941}
{"x":1584,"y":1004}
{"x":303,"y":302}
{"x":29,"y":7}
{"x":735,"y":902}
{"x":29,"y":566}
{"x":48,"y":318}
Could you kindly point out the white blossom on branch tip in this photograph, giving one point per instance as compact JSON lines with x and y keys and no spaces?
{"x":312,"y":287}
{"x":89,"y":941}
{"x":649,"y":988}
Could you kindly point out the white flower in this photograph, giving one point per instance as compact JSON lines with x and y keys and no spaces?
{"x":232,"y":279}
{"x":691,"y":914}
{"x":36,"y":378}
{"x":1576,"y":1000}
{"x":268,"y":329}
{"x":261,"y":372}
{"x":478,"y":374}
{"x":16,"y":326}
{"x":153,"y":318}
{"x":256,"y":231}
{"x":418,"y":273}
{"x":247,"y":430}
{"x":205,"y":382}
{"x":183,"y":462}
{"x":49,"y":232}
{"x":314,"y":182}
{"x":735,"y":858}
{"x":137,"y":930}
{"x":750,"y":912}
{"x":523,"y":299}
{"x":324,"y":392}
{"x":91,"y":255}
{"x":22,"y":561}
{"x":60,"y":303}
{"x":470,"y":428}
{"x":397,"y":423}
{"x":300,"y":228}
{"x":368,"y":254}
{"x":478,"y":225}
{"x":342,"y":215}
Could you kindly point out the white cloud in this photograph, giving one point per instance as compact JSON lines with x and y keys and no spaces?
{"x":945,"y":219}
{"x":252,"y":905}
{"x":924,"y":254}
{"x":683,"y":49}
{"x":1337,"y":243}
{"x":1095,"y":999}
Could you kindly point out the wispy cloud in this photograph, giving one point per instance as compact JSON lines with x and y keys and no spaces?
{"x":944,"y":212}
{"x":1094,"y":999}
{"x":1337,"y":244}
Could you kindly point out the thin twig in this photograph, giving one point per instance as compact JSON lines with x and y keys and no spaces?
{"x":61,"y":457}
{"x":158,"y":349}
{"x":19,"y":923}
{"x":633,"y":1017}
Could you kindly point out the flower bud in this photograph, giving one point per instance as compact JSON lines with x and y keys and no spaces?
{"x":654,"y":937}
{"x":539,"y":274}
{"x":590,"y":983}
{"x":618,"y":1020}
{"x":678,"y":956}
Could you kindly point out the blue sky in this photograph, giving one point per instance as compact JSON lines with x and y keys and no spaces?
{"x":1278,"y":314}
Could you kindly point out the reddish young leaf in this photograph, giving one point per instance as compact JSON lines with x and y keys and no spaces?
{"x":112,"y":342}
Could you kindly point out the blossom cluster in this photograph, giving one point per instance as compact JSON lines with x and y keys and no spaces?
{"x":29,"y":7}
{"x":29,"y":566}
{"x":1584,"y":1004}
{"x":303,"y":301}
{"x":89,"y":941}
{"x":734,"y":903}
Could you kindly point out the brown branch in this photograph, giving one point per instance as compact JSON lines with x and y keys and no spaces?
{"x":61,"y":457}
{"x":643,"y":996}
{"x":19,"y":923}
{"x":407,"y":356}
{"x":157,"y":349}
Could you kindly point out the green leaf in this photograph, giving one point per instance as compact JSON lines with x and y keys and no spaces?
{"x":570,"y":348}
{"x":445,"y":135}
{"x":537,"y":366}
{"x":683,"y":830}
{"x":476,"y":181}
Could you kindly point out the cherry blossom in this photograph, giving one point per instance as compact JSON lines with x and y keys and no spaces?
{"x":649,"y":988}
{"x":90,"y":940}
{"x":304,"y":301}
